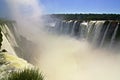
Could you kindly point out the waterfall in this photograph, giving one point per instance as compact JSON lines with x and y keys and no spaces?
{"x":64,"y":27}
{"x":113,"y":36}
{"x":83,"y":30}
{"x":67,"y":27}
{"x":69,"y":55}
{"x":91,"y":29}
{"x":9,"y":41}
{"x":15,"y":43}
{"x":73,"y":28}
{"x":9,"y":34}
{"x":99,"y":33}
{"x":7,"y":46}
{"x":96,"y":33}
{"x":71,"y":22}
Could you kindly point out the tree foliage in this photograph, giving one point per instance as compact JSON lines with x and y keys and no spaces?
{"x":86,"y":16}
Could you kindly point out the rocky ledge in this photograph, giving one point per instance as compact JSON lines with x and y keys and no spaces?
{"x":10,"y":63}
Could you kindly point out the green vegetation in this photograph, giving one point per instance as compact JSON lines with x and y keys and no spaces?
{"x":26,"y":74}
{"x":86,"y":16}
{"x":14,"y":68}
{"x":2,"y":21}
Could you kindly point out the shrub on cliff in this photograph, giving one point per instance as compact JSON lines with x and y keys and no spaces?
{"x":26,"y":74}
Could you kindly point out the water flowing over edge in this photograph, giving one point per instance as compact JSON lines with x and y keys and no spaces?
{"x":62,"y":57}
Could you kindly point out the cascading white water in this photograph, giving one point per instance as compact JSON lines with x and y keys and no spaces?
{"x":113,"y":36}
{"x":8,"y":39}
{"x":103,"y":39}
{"x":62,"y":58}
{"x":73,"y":28}
{"x":83,"y":30}
{"x":96,"y":32}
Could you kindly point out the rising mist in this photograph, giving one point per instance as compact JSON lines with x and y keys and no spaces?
{"x":61,"y":57}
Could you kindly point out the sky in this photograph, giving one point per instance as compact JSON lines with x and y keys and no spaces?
{"x":72,"y":6}
{"x":81,"y":6}
{"x":3,"y":9}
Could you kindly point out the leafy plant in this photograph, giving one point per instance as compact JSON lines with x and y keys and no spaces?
{"x":26,"y":74}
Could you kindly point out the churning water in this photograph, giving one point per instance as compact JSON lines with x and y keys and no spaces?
{"x":60,"y":57}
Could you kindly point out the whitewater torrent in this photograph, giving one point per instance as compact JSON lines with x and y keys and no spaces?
{"x":61,"y":57}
